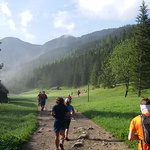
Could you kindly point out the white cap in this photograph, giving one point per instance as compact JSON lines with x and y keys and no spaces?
{"x":67,"y":100}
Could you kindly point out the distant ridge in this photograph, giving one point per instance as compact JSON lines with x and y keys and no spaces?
{"x":16,"y":51}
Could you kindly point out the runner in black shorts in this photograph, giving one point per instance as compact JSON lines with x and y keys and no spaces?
{"x":59,"y":111}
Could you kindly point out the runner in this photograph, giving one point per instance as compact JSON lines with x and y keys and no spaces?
{"x":68,"y":118}
{"x":43,"y":100}
{"x":59,"y":111}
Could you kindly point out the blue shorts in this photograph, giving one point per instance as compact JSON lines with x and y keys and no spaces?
{"x":59,"y":125}
{"x":43,"y":102}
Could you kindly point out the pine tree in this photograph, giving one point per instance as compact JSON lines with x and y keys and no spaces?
{"x":142,"y":46}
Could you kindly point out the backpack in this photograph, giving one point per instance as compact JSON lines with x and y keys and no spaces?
{"x":44,"y":96}
{"x":146,"y":128}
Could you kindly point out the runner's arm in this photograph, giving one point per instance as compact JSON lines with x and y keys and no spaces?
{"x":132,"y":135}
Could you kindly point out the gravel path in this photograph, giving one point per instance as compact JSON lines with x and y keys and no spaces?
{"x":84,"y":134}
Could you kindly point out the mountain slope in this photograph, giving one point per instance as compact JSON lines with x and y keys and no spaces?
{"x":26,"y":57}
{"x":15,"y":52}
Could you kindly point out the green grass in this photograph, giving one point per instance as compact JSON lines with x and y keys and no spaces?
{"x":111,"y":110}
{"x":106,"y":107}
{"x":19,"y":117}
{"x":18,"y":121}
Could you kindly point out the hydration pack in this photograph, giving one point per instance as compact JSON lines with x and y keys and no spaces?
{"x":146,"y":128}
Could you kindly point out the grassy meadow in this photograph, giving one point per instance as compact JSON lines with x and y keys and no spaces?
{"x":106,"y":107}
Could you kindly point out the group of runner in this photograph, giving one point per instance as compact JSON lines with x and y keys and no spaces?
{"x":42,"y":100}
{"x":62,"y":113}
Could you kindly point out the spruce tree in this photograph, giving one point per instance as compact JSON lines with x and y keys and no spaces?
{"x":142,"y":53}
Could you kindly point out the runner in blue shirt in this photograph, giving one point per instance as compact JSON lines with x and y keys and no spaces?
{"x":68,"y":118}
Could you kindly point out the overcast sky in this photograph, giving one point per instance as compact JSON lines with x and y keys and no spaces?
{"x":39,"y":21}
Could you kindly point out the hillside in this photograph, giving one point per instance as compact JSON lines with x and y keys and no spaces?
{"x":26,"y":57}
{"x":22,"y":52}
{"x":18,"y":51}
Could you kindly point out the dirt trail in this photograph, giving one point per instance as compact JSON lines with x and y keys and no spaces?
{"x":84,"y":134}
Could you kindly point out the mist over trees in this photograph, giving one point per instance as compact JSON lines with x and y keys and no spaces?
{"x":119,"y":58}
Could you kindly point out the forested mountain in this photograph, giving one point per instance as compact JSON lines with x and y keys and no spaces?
{"x":20,"y":57}
{"x":63,"y":45}
{"x":103,"y":59}
{"x":80,"y":66}
{"x":39,"y":65}
{"x":21,"y":52}
{"x":117,"y":58}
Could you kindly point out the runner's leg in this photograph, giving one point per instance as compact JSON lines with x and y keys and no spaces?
{"x":57,"y":139}
{"x":62,"y":135}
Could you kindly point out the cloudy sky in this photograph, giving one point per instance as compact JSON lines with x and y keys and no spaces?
{"x":39,"y":21}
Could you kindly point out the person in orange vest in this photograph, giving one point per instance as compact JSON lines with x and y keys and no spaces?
{"x":136,"y":127}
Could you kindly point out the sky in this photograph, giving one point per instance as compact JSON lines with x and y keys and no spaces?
{"x":39,"y":21}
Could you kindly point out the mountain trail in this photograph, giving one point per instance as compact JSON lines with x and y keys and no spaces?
{"x":84,"y":134}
